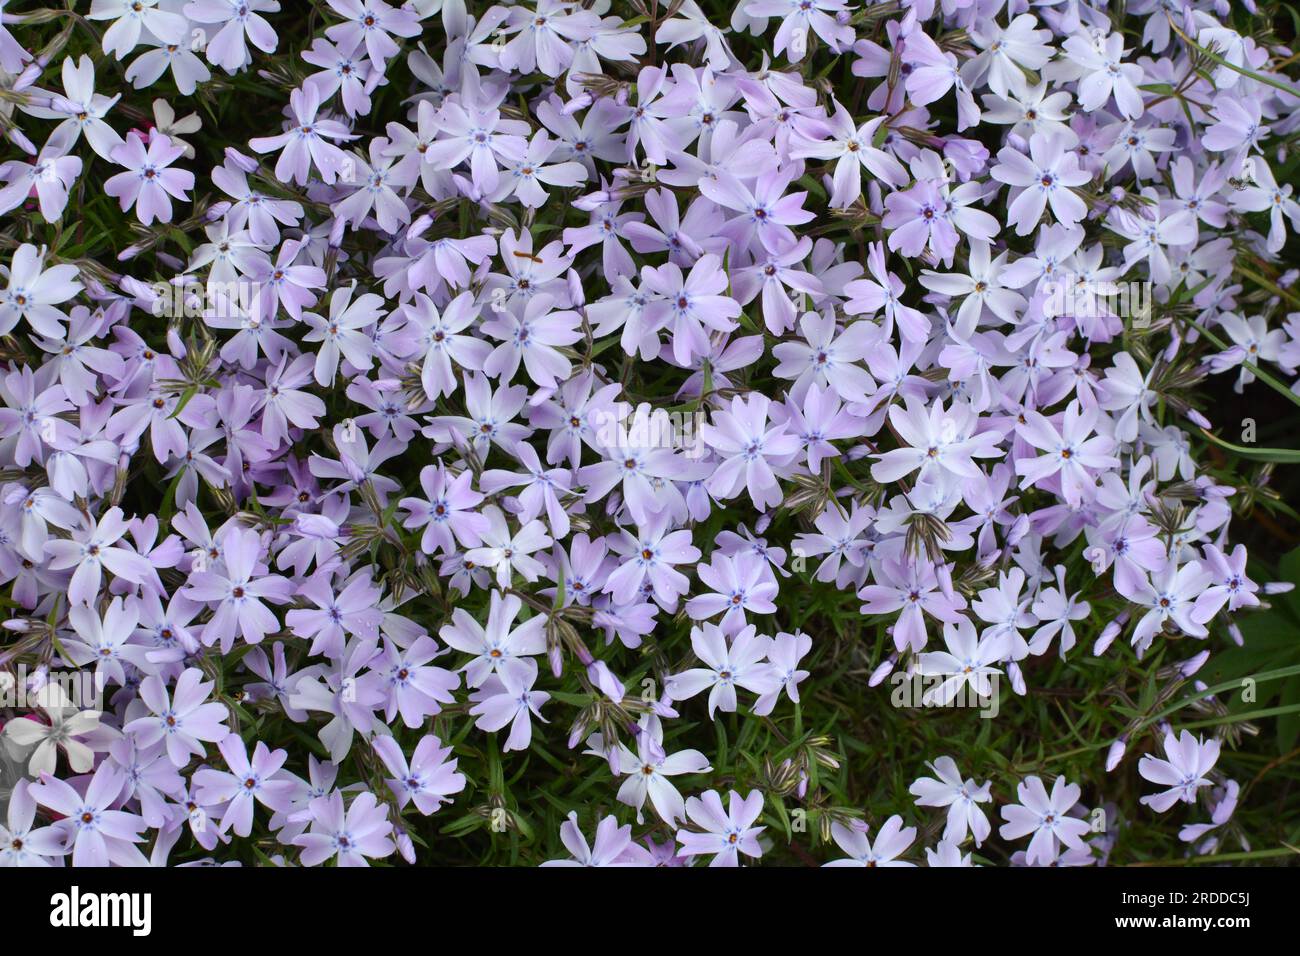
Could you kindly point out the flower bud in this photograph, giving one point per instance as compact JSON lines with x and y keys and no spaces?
{"x":1108,"y":635}
{"x":1116,"y":753}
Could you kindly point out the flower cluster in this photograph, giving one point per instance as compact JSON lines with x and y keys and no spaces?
{"x":585,"y":419}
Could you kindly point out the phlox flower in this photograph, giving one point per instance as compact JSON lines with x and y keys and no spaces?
{"x":740,"y":663}
{"x":1170,"y":595}
{"x":347,"y":690}
{"x":96,"y":833}
{"x":1188,"y":759}
{"x":828,"y":356}
{"x":183,"y":720}
{"x":34,"y":291}
{"x":650,"y":556}
{"x":687,"y":304}
{"x":856,"y":150}
{"x":446,"y":512}
{"x":647,"y":772}
{"x":362,"y":832}
{"x":800,"y":20}
{"x":341,"y":333}
{"x":51,"y":175}
{"x":750,"y":447}
{"x":1044,"y":178}
{"x":910,"y":590}
{"x":371,"y":22}
{"x":501,"y":646}
{"x":429,"y":778}
{"x":351,"y":611}
{"x":1004,"y":51}
{"x":784,"y":655}
{"x":245,"y":782}
{"x":1045,"y":816}
{"x":59,"y":728}
{"x":938,"y":440}
{"x":106,"y":644}
{"x":93,"y":548}
{"x":533,"y":333}
{"x":739,"y":583}
{"x":1105,"y":74}
{"x":892,"y":840}
{"x":415,"y":689}
{"x":968,"y":662}
{"x":131,"y":18}
{"x":21,"y":844}
{"x":240,"y":21}
{"x":467,"y":131}
{"x":306,"y":142}
{"x":1057,"y":610}
{"x":613,"y":845}
{"x":506,"y":552}
{"x":149,"y":184}
{"x":962,"y":798}
{"x":507,"y":697}
{"x":727,"y":832}
{"x":1070,"y":456}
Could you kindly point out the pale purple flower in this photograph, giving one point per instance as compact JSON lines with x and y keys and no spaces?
{"x":241,"y":22}
{"x":306,"y":142}
{"x":238,"y":590}
{"x":21,"y":844}
{"x":502,"y":646}
{"x":1046,"y":818}
{"x":507,"y":697}
{"x":339,"y":613}
{"x":727,"y":832}
{"x":446,"y":511}
{"x":802,"y":19}
{"x":93,"y":548}
{"x":362,"y":833}
{"x":1188,"y":759}
{"x":784,"y":655}
{"x":909,"y":590}
{"x":149,"y":184}
{"x":740,"y":663}
{"x":467,"y":131}
{"x":371,"y":22}
{"x":739,"y":583}
{"x":430,"y":778}
{"x":1170,"y":596}
{"x":892,"y":840}
{"x":962,"y":798}
{"x":244,"y":783}
{"x":750,"y":448}
{"x":34,"y":290}
{"x":613,"y":845}
{"x":1044,"y":178}
{"x":509,"y":552}
{"x":968,"y":662}
{"x":131,"y":18}
{"x":59,"y":729}
{"x":183,"y":719}
{"x":647,"y":772}
{"x":1071,"y":455}
{"x":98,"y":834}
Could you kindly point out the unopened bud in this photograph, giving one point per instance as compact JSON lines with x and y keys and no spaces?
{"x":1108,"y":634}
{"x":1116,"y":753}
